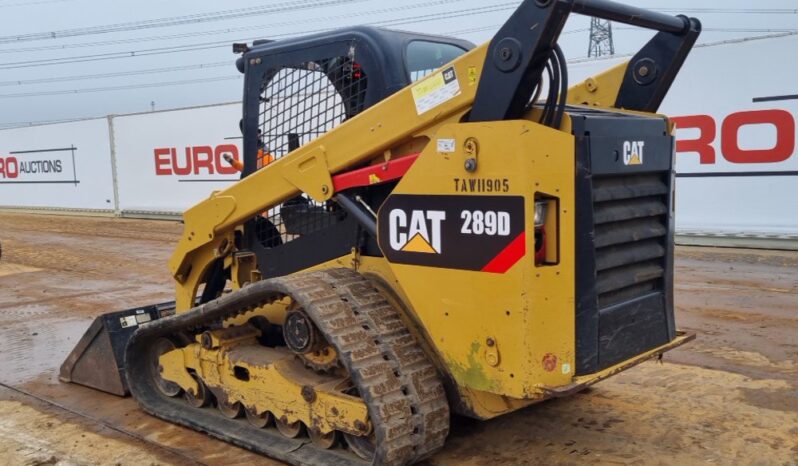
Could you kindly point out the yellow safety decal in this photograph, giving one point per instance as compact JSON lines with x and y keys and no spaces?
{"x":435,"y":90}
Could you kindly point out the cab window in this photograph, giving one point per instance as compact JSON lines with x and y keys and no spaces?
{"x":423,"y":57}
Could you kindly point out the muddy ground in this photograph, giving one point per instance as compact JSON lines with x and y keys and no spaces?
{"x":730,"y":397}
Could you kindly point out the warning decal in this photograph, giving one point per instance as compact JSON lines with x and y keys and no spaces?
{"x":484,"y":233}
{"x":435,"y":90}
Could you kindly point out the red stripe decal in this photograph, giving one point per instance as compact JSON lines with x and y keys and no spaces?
{"x":509,"y":256}
{"x":374,"y":174}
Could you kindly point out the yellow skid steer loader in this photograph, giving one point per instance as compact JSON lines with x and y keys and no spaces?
{"x":422,"y":228}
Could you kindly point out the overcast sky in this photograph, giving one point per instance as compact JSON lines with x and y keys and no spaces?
{"x":31,"y":43}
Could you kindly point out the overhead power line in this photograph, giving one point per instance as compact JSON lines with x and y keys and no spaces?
{"x":350,"y":15}
{"x":200,"y":66}
{"x":750,"y":29}
{"x":495,"y":27}
{"x":20,"y":124}
{"x":120,"y":88}
{"x":214,"y":32}
{"x":39,"y":2}
{"x":158,"y":70}
{"x":114,"y":55}
{"x":203,"y":46}
{"x":204,"y":66}
{"x":735,"y":30}
{"x":226,"y":43}
{"x":59,"y":79}
{"x":755,"y":11}
{"x":176,"y":20}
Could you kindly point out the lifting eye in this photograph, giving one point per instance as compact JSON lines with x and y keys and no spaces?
{"x":241,"y":373}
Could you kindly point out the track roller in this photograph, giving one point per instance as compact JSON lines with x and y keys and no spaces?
{"x":230,"y":410}
{"x":200,"y":399}
{"x":258,"y":420}
{"x":289,"y":429}
{"x":325,"y":441}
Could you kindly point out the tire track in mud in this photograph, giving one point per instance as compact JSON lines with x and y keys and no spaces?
{"x":67,"y":442}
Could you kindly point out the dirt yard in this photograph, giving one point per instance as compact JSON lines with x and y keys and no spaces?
{"x":730,"y":397}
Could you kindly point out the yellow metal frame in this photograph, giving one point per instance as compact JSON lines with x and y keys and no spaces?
{"x":516,"y":310}
{"x":581,"y":382}
{"x":275,"y":384}
{"x":502,"y":340}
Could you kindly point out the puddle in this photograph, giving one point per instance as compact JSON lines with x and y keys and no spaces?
{"x":37,"y":346}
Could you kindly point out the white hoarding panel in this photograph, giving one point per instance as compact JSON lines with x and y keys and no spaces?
{"x":61,"y":166}
{"x":168,"y":161}
{"x":735,"y":107}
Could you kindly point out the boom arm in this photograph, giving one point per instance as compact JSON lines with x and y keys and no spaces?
{"x":509,"y":69}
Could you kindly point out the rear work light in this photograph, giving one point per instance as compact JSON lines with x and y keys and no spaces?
{"x":547,"y":225}
{"x":541,"y":208}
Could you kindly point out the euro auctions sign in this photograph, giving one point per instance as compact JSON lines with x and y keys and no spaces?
{"x":53,"y":165}
{"x":58,"y":166}
{"x":168,"y":161}
{"x":195,"y":160}
{"x":731,"y":132}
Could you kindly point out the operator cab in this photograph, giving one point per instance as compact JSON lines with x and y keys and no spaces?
{"x":297,"y":89}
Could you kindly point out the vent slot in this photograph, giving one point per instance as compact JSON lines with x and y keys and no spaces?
{"x":612,"y":189}
{"x":627,"y":254}
{"x":623,"y":277}
{"x":626,"y":232}
{"x":627,"y":209}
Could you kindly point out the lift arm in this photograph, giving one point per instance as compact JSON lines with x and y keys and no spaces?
{"x":518,"y":52}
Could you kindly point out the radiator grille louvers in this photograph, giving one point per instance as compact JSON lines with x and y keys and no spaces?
{"x":631,"y":225}
{"x":624,"y":236}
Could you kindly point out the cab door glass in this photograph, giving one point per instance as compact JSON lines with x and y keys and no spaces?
{"x":423,"y":57}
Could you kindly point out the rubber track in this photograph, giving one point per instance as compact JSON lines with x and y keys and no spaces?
{"x":418,"y":377}
{"x":405,"y":398}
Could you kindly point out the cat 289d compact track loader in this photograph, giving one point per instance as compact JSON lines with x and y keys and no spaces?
{"x":416,"y":233}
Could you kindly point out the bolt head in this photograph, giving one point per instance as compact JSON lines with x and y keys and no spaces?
{"x":308,"y":394}
{"x":471,"y":146}
{"x":470,"y":165}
